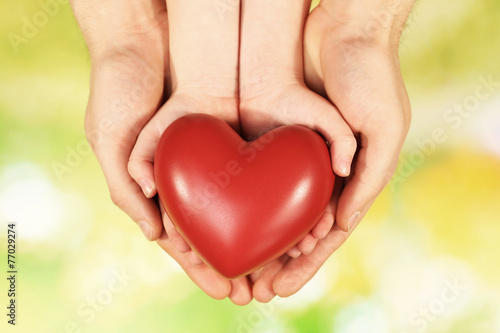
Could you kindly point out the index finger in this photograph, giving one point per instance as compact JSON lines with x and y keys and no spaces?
{"x":373,"y":168}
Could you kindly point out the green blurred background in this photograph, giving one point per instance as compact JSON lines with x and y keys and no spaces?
{"x":425,"y":259}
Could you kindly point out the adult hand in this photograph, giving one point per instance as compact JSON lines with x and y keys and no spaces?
{"x":204,"y":66}
{"x":130,"y":79}
{"x":351,"y":56}
{"x":273,"y":93}
{"x":129,"y":58}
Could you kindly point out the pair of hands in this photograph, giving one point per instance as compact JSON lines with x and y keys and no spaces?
{"x":247,"y":63}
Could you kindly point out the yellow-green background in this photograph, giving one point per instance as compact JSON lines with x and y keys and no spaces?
{"x":440,"y":225}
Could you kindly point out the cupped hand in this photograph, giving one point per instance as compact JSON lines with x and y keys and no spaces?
{"x":361,"y":76}
{"x":273,"y":93}
{"x":358,"y":69}
{"x":127,"y":84}
{"x":130,"y":80}
{"x":204,"y":67}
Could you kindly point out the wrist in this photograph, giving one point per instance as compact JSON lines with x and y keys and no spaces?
{"x":266,"y":79}
{"x":204,"y":45}
{"x":373,"y":23}
{"x":209,"y":85}
{"x":114,"y":27}
{"x":271,"y":46}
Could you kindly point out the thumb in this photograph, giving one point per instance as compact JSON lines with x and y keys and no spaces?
{"x":311,"y":110}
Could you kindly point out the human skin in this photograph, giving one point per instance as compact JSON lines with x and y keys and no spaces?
{"x":117,"y":65}
{"x":273,"y":93}
{"x":351,"y":57}
{"x":128,"y":44}
{"x":204,"y":56}
{"x":128,"y":83}
{"x":204,"y":67}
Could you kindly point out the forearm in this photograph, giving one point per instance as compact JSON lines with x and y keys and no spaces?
{"x":272,"y":45}
{"x":204,"y":47}
{"x":112,"y":25}
{"x":372,"y":21}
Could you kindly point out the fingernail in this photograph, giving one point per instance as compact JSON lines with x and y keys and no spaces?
{"x":146,"y":186}
{"x":353,"y":221}
{"x":146,"y":229}
{"x":344,"y":167}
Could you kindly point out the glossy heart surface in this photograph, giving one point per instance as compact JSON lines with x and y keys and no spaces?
{"x":241,"y":204}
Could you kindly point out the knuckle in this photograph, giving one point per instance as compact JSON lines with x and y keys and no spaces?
{"x":390,"y":171}
{"x":89,"y":132}
{"x":132,"y":167}
{"x":348,"y":142}
{"x":351,"y":142}
{"x":386,"y":177}
{"x":408,"y":118}
{"x":118,"y":198}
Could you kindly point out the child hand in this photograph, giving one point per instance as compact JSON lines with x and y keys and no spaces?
{"x":273,"y":93}
{"x":204,"y":66}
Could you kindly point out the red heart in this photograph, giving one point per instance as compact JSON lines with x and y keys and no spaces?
{"x":241,"y":204}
